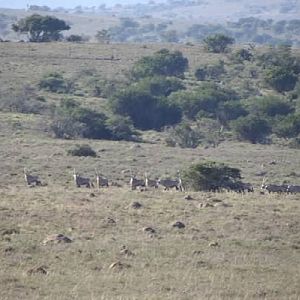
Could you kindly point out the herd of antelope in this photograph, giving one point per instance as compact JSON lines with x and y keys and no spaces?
{"x":167,"y":184}
{"x":102,"y":181}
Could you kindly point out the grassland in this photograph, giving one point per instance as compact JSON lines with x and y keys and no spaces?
{"x":239,"y":247}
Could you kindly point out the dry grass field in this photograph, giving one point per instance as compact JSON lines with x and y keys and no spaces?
{"x":233,"y":246}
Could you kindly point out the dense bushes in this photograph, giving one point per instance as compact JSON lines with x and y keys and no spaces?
{"x":251,"y":128}
{"x":71,"y":120}
{"x":210,"y":71}
{"x":210,"y":176}
{"x":289,"y":126}
{"x":145,"y":110}
{"x":162,"y":63}
{"x":204,"y":99}
{"x":82,"y":150}
{"x":54,"y":82}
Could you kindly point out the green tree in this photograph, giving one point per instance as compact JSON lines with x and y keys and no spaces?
{"x":218,"y":43}
{"x":289,"y":126}
{"x":204,"y":99}
{"x":89,"y":124}
{"x":41,"y":28}
{"x":163,"y":63}
{"x":281,"y":78}
{"x":251,"y":128}
{"x":210,"y":176}
{"x":270,"y":106}
{"x":145,"y":110}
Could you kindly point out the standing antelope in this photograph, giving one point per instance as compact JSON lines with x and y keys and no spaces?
{"x":134,"y":183}
{"x":274,"y":188}
{"x":79,"y":181}
{"x":30,"y":179}
{"x":101,"y":181}
{"x":171,"y":183}
{"x":150,"y":182}
{"x":293,"y":189}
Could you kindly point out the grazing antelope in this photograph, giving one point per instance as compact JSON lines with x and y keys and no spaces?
{"x":293,"y":189}
{"x":134,"y":183}
{"x":30,"y":179}
{"x":171,"y":183}
{"x":101,"y":181}
{"x":273,"y":188}
{"x":150,"y":182}
{"x":79,"y":181}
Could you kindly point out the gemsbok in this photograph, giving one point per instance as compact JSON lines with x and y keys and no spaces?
{"x":79,"y":180}
{"x":134,"y":183}
{"x":150,"y":182}
{"x":30,"y":179}
{"x":171,"y":183}
{"x":101,"y":181}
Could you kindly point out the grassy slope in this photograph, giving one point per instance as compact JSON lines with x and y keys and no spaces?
{"x":258,"y":235}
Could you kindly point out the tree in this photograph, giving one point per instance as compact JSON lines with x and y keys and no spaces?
{"x":205,"y":99}
{"x":218,"y":43}
{"x":145,"y":110}
{"x":163,"y":62}
{"x":210,"y":176}
{"x":103,"y":36}
{"x":251,"y":128}
{"x":281,"y":78}
{"x":41,"y":28}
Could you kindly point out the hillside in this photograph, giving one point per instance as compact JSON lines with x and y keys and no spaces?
{"x":233,"y":245}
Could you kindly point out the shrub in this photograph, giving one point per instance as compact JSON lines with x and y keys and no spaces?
{"x":82,"y":150}
{"x":146,"y":111}
{"x":25,"y":102}
{"x":280,"y":78}
{"x":76,"y":38}
{"x":162,"y":63}
{"x":210,"y":71}
{"x":71,"y":120}
{"x":288,"y":127}
{"x":184,"y":136}
{"x":204,"y":98}
{"x":251,"y":128}
{"x":231,"y":110}
{"x":121,"y":128}
{"x":64,"y":127}
{"x":217,"y":43}
{"x":270,"y":106}
{"x":54,"y":82}
{"x":210,"y":176}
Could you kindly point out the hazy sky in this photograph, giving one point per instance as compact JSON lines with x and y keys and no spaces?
{"x":65,"y":3}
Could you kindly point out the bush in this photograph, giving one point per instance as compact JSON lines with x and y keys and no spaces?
{"x":146,"y":111}
{"x":210,"y":71}
{"x":251,"y":128}
{"x":281,"y":78}
{"x":210,"y":176}
{"x":75,"y":38}
{"x":162,"y":63}
{"x":65,"y":127}
{"x":288,"y":127}
{"x":82,"y":150}
{"x":231,"y":110}
{"x":270,"y":106}
{"x":86,"y":123}
{"x":184,"y":136}
{"x":121,"y":128}
{"x":218,"y":43}
{"x":54,"y":82}
{"x":25,"y":102}
{"x":204,"y":98}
